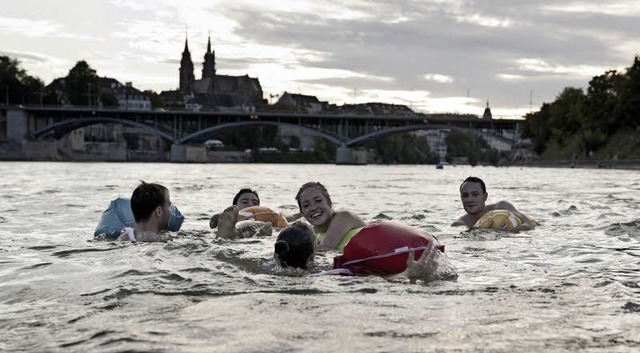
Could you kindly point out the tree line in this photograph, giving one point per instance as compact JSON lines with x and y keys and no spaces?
{"x":588,"y":120}
{"x":17,"y":86}
{"x":81,"y":87}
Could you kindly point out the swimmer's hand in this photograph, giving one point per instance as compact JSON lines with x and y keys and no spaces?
{"x":213,"y":222}
{"x":425,"y":267}
{"x":227,"y":222}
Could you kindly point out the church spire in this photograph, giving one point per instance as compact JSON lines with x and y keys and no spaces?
{"x":186,"y":69}
{"x":487,"y":112}
{"x":186,"y":43}
{"x":209,"y":64}
{"x":186,"y":47}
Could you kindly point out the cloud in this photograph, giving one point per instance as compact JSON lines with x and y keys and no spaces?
{"x":25,"y":56}
{"x":29,"y":28}
{"x":38,"y":28}
{"x":542,"y":66}
{"x":438,"y":78}
{"x":628,"y":8}
{"x":510,"y":77}
{"x":485,"y":21}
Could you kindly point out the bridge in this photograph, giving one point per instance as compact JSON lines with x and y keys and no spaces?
{"x":182,"y":128}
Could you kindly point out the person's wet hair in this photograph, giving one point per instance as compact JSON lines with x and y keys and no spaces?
{"x":294,"y":245}
{"x":244,"y":191}
{"x":475,"y":180}
{"x":145,"y":198}
{"x":314,"y":184}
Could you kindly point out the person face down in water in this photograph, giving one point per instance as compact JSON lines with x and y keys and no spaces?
{"x":295,"y":246}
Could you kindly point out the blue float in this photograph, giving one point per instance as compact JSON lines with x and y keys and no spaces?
{"x":119,"y":215}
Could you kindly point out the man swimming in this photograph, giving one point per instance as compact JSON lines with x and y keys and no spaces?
{"x":151,"y":207}
{"x":473,"y":194}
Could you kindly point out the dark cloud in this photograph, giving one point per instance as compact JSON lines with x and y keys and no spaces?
{"x":448,"y":40}
{"x":24,"y":56}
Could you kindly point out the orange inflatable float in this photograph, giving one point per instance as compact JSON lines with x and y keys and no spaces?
{"x":263,"y":214}
{"x":382,"y":249}
{"x":500,"y":220}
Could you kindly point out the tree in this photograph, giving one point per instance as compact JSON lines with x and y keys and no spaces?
{"x":389,"y":149}
{"x":536,"y":127}
{"x":156,"y":100}
{"x":324,"y":151}
{"x":108,"y":99}
{"x":18,"y":87}
{"x":82,"y":85}
{"x":460,"y":144}
{"x":294,"y":142}
{"x":602,"y":105}
{"x":420,"y":145}
{"x":612,"y":103}
{"x":630,"y":96}
{"x":566,"y":113}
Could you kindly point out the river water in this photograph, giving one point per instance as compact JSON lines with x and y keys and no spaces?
{"x":572,"y":284}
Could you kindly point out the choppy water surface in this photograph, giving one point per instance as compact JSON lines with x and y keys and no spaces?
{"x":571,"y":285}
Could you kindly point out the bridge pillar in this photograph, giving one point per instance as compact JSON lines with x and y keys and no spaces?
{"x":17,"y":130}
{"x":178,"y":153}
{"x":344,"y":155}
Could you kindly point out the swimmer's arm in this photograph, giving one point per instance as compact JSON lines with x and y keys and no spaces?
{"x":342,"y":222}
{"x":526,"y":222}
{"x":462,"y":221}
{"x":458,"y":223}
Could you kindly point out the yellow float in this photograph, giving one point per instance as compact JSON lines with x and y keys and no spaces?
{"x":500,"y":220}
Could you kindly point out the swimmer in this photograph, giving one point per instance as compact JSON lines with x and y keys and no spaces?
{"x":333,"y":228}
{"x":296,"y":247}
{"x":473,"y":194}
{"x":243,"y":199}
{"x":150,"y":204}
{"x":230,"y":228}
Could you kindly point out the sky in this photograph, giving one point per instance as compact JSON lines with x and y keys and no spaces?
{"x":434,"y":56}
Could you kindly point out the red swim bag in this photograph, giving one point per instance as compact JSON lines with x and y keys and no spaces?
{"x":382,"y":249}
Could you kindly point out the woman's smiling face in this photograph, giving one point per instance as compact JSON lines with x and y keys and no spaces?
{"x":314,"y":207}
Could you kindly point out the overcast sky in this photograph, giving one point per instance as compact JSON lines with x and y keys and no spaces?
{"x":431,"y":55}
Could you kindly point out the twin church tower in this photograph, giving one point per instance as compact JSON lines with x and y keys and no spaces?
{"x":212,"y":90}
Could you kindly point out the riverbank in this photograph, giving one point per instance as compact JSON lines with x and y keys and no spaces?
{"x":630,"y":164}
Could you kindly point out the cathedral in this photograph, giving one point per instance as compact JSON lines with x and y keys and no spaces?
{"x":212,"y":90}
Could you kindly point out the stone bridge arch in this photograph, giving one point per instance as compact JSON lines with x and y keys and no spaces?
{"x":212,"y":131}
{"x":64,"y":127}
{"x":360,"y":140}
